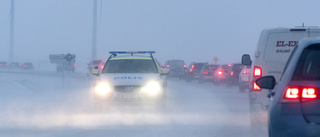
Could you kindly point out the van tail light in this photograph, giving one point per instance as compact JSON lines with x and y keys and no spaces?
{"x":257,"y":71}
{"x":205,"y":73}
{"x":256,"y":87}
{"x":294,"y":94}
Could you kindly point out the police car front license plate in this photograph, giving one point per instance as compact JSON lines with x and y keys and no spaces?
{"x":127,"y":96}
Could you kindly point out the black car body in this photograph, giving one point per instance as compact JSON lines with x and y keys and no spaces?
{"x":194,"y":71}
{"x":232,"y":74}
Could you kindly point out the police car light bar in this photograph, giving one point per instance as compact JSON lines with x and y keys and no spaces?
{"x":131,"y":52}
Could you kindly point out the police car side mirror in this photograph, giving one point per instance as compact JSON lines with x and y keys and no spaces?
{"x":266,"y":82}
{"x":246,"y":60}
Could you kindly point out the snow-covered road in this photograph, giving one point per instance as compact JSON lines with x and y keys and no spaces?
{"x":50,"y":104}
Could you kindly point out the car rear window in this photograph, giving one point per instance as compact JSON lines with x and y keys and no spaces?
{"x":176,"y":63}
{"x":308,"y":67}
{"x":198,"y":65}
{"x":130,"y":66}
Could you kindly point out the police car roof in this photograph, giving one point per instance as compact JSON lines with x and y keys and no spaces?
{"x":132,"y":57}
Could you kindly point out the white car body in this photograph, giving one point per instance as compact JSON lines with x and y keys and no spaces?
{"x":123,"y":87}
{"x":273,"y":50}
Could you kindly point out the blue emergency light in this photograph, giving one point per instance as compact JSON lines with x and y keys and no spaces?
{"x":131,"y":52}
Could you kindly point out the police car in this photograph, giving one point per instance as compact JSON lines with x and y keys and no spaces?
{"x":131,"y":77}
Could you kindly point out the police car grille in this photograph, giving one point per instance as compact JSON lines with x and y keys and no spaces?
{"x":127,"y":88}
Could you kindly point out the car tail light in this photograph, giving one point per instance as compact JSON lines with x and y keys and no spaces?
{"x":245,"y":72}
{"x":205,"y":73}
{"x":161,"y":68}
{"x":184,"y":66}
{"x":91,"y":65}
{"x":101,"y":66}
{"x":220,"y":72}
{"x":25,"y":66}
{"x":191,"y":68}
{"x":231,"y":73}
{"x":257,"y":72}
{"x":229,"y":65}
{"x":168,"y":66}
{"x":294,"y":94}
{"x":74,"y":64}
{"x":256,"y":87}
{"x":309,"y":93}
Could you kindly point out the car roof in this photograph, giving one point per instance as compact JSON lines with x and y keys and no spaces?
{"x":131,"y":57}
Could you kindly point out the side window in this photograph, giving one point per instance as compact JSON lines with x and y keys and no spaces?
{"x":308,"y":67}
{"x":289,"y":60}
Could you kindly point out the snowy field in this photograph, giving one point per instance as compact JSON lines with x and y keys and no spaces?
{"x":49,"y":104}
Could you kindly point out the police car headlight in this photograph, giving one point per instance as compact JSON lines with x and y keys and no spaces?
{"x":152,"y":88}
{"x":102,"y":88}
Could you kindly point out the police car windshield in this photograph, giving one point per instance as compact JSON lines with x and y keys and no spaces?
{"x":130,"y":66}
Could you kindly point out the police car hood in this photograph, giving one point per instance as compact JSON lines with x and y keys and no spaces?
{"x":130,"y":78}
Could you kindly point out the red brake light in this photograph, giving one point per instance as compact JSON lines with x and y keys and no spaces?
{"x":184,"y":65}
{"x":161,"y":68}
{"x":25,"y":66}
{"x":101,"y":66}
{"x":309,"y":93}
{"x":231,"y":73}
{"x":91,"y":65}
{"x":229,"y":65}
{"x":74,"y":64}
{"x":292,"y":93}
{"x":245,"y":72}
{"x":220,"y":72}
{"x":191,"y":68}
{"x":205,"y":73}
{"x":168,"y":66}
{"x":256,"y":87}
{"x":257,"y":72}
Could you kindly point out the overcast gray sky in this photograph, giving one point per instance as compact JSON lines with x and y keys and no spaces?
{"x":193,"y":30}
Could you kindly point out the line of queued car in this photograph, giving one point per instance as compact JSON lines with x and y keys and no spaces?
{"x":16,"y":66}
{"x":228,"y":74}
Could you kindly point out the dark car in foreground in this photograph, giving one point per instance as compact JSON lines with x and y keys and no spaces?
{"x":295,"y":106}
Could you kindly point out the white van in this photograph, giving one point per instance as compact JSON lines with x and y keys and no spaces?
{"x":273,"y":51}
